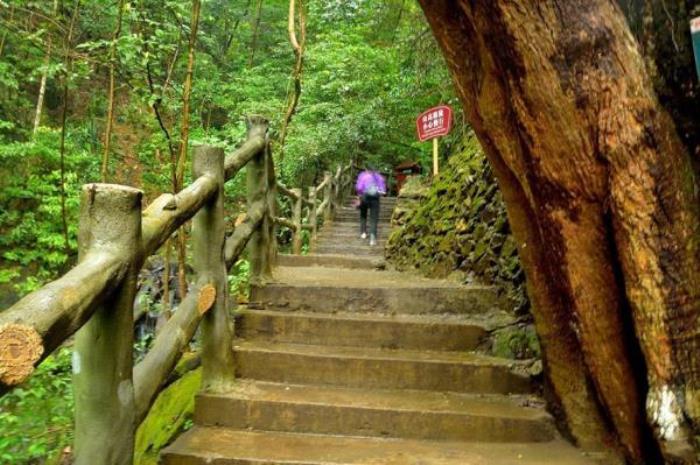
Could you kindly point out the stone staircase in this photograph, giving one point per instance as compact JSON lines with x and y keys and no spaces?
{"x":340,"y":363}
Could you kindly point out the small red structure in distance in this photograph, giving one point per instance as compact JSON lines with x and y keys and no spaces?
{"x":434,"y":123}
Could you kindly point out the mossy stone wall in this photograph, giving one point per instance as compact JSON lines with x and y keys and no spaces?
{"x":458,"y":228}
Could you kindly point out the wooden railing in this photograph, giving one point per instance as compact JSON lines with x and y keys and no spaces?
{"x":321,"y":204}
{"x":95,"y":299}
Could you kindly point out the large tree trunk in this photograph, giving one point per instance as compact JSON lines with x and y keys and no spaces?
{"x":601,"y":197}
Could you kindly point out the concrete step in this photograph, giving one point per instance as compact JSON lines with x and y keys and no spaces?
{"x":384,"y":216}
{"x":368,"y":368}
{"x":353,"y":330}
{"x":374,"y":413}
{"x":332,"y":261}
{"x":349,"y":222}
{"x":353,"y":240}
{"x":224,"y":446}
{"x":341,"y":233}
{"x":351,"y":250}
{"x":335,"y":289}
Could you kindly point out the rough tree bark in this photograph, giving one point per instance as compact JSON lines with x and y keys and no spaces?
{"x":600,"y":195}
{"x":661,"y":27}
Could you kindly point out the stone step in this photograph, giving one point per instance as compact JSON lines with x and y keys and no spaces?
{"x":379,"y":368}
{"x":224,"y":446}
{"x":353,"y":330}
{"x":348,"y":240}
{"x":355,"y":214}
{"x":321,"y":289}
{"x":342,"y":234}
{"x":350,"y":250}
{"x":332,"y":261}
{"x":350,"y":222}
{"x":374,"y":413}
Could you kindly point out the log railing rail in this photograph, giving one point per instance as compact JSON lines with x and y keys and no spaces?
{"x":95,"y":299}
{"x":333,"y":189}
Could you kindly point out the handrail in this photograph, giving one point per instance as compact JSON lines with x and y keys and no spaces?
{"x":323,"y":184}
{"x":287,"y":223}
{"x":236,"y":242}
{"x":95,"y":299}
{"x":168,"y":212}
{"x":252,"y":146}
{"x":171,"y":341}
{"x":287,"y":191}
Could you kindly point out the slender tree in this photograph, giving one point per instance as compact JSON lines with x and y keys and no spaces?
{"x":298,"y":45}
{"x":68,"y":63}
{"x":184,"y":140}
{"x":110,"y":95}
{"x":256,"y":32}
{"x":44,"y":76}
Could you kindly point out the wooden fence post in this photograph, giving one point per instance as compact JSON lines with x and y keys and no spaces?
{"x":208,"y":238}
{"x":296,"y":219}
{"x":313,"y":218}
{"x":337,"y":185}
{"x":272,"y":209}
{"x":110,"y":222}
{"x":257,"y":186}
{"x":328,"y":196}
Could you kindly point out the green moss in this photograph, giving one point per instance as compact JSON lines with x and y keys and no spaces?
{"x":516,"y":342}
{"x":460,"y":226}
{"x":170,"y":415}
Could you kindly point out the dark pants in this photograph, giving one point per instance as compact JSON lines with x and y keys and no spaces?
{"x":371,"y":203}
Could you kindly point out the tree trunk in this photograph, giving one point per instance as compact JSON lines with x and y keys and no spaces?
{"x":44,"y":74}
{"x":256,"y":32}
{"x":42,"y":87}
{"x":68,"y":43}
{"x":600,"y":195}
{"x":298,"y":45}
{"x":184,"y":142}
{"x":110,"y":96}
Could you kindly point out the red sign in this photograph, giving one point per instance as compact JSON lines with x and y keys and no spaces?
{"x":434,"y":123}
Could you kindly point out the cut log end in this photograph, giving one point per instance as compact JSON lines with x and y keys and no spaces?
{"x":207,"y":297}
{"x":20,"y":348}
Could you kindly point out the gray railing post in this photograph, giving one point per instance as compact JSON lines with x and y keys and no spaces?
{"x":328,"y":196}
{"x":296,"y":219}
{"x":110,"y":222}
{"x":257,"y":186}
{"x":313,"y":219}
{"x":208,"y":238}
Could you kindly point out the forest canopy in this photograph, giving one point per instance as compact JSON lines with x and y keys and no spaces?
{"x":67,"y":68}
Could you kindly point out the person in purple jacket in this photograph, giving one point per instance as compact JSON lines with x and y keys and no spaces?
{"x":370,"y":187}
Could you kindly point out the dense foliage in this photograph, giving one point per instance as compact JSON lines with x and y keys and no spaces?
{"x":369,"y":67}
